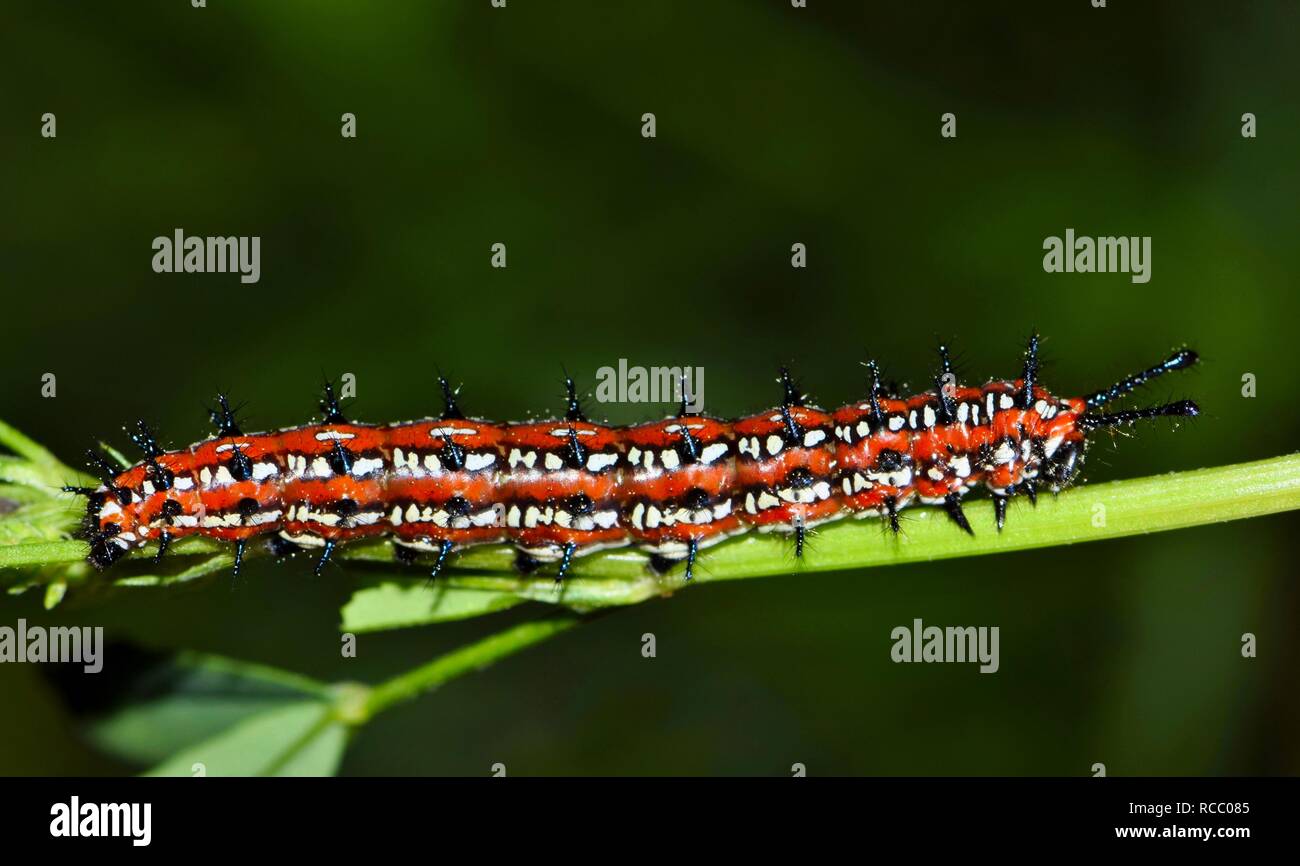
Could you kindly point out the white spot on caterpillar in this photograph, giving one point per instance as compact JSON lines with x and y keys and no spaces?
{"x":563,"y":433}
{"x":813,"y":437}
{"x":599,"y":461}
{"x":326,"y":435}
{"x":774,"y":445}
{"x":265,"y":517}
{"x":929,"y":416}
{"x":670,"y":458}
{"x":713,"y":452}
{"x":792,"y":494}
{"x":672,"y":549}
{"x":475,"y":462}
{"x":304,"y":540}
{"x":449,"y":432}
{"x":366,"y":466}
{"x":328,"y":518}
{"x":553,"y":462}
{"x":263,"y":471}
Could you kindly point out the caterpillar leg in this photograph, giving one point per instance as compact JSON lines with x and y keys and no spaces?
{"x":668,"y":556}
{"x":526,"y":563}
{"x":281,"y":546}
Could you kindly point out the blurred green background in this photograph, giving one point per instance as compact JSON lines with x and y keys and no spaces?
{"x":775,"y":125}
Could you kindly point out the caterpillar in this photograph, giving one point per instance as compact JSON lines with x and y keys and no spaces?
{"x":560,"y":489}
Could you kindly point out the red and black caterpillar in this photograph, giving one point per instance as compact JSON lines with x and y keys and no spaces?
{"x":560,"y":489}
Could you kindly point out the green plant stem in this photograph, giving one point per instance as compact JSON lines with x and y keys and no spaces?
{"x":475,"y":656}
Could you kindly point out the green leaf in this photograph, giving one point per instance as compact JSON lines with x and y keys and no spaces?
{"x":299,"y":739}
{"x":397,"y":604}
{"x":192,"y":699}
{"x":21,"y":445}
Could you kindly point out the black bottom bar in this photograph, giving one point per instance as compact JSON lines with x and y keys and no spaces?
{"x":639,"y":815}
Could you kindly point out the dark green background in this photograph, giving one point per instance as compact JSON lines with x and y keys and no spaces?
{"x":775,"y":125}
